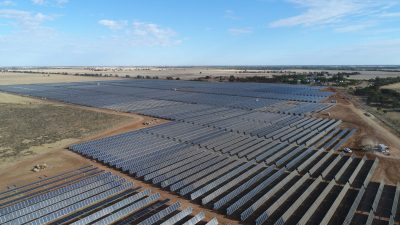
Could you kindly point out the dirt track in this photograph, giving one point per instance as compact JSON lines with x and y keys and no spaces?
{"x":369,"y":129}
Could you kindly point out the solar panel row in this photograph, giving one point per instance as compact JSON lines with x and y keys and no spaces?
{"x":101,"y":198}
{"x":235,"y":186}
{"x":149,"y":94}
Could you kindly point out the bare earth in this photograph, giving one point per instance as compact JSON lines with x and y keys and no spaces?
{"x":372,"y":130}
{"x":58,"y":158}
{"x":28,"y":124}
{"x":26,"y":133}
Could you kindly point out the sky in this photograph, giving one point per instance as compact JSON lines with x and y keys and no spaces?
{"x":199,"y":32}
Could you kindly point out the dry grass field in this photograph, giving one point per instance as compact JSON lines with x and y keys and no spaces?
{"x":196,"y":72}
{"x":162,"y":73}
{"x":35,"y":132}
{"x":28,"y":124}
{"x":395,"y":87}
{"x":8,"y":78}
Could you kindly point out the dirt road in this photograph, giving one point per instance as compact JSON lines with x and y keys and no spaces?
{"x":369,"y":130}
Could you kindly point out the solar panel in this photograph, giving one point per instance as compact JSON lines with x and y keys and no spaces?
{"x":216,"y":149}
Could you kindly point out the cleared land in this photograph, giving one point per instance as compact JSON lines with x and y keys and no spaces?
{"x":389,"y":118}
{"x":43,"y":129}
{"x":40,"y":123}
{"x":369,"y":130}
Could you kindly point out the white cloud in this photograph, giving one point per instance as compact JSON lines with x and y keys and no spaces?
{"x":141,"y":33}
{"x":240,"y":31}
{"x":153,"y":34}
{"x":25,"y":20}
{"x":38,"y":2}
{"x":7,"y":3}
{"x":113,"y":24}
{"x":390,"y":14}
{"x":58,"y":3}
{"x":354,"y":27}
{"x":230,"y":14}
{"x":333,"y":12}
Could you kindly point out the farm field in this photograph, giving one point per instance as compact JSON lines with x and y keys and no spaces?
{"x":231,"y":150}
{"x":188,"y":73}
{"x":7,"y":78}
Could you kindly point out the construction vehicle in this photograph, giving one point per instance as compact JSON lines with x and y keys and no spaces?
{"x":347,"y":150}
{"x":383,"y":148}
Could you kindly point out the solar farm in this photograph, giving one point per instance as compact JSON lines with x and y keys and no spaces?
{"x":91,"y":196}
{"x":255,"y":153}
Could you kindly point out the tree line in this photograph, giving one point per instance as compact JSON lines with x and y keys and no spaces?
{"x":381,"y":97}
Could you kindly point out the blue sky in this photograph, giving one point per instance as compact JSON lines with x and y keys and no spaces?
{"x":193,"y":32}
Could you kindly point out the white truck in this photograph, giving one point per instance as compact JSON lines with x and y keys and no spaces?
{"x":347,"y":150}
